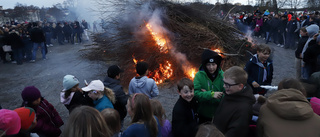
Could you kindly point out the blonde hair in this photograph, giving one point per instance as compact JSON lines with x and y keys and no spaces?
{"x":208,"y":130}
{"x":85,"y":121}
{"x":236,"y":73}
{"x":110,"y":94}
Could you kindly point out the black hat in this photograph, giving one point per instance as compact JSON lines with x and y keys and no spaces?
{"x":113,"y":71}
{"x":209,"y":56}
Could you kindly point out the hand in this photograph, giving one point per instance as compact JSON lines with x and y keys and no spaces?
{"x":255,"y":84}
{"x":217,"y":95}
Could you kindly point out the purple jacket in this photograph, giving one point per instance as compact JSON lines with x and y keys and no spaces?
{"x":259,"y":22}
{"x":48,"y":120}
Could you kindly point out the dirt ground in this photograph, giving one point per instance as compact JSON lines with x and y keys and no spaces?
{"x":47,"y":75}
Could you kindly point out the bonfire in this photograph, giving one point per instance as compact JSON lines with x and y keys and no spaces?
{"x":171,"y":41}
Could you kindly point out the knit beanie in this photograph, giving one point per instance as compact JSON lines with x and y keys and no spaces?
{"x":27,"y":116}
{"x":209,"y":56}
{"x":30,"y":94}
{"x":9,"y":121}
{"x":69,"y":81}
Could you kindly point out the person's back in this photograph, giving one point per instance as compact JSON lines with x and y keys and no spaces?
{"x":287,"y":113}
{"x":143,"y":84}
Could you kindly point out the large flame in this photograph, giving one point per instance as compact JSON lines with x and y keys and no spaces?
{"x":160,"y":40}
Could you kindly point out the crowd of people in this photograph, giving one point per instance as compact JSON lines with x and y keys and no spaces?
{"x":217,"y":103}
{"x":24,"y":39}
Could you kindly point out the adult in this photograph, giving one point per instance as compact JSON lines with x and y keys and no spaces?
{"x":38,"y":39}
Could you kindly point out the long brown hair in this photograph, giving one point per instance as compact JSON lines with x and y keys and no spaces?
{"x":85,"y":121}
{"x":142,"y":111}
{"x":158,"y":110}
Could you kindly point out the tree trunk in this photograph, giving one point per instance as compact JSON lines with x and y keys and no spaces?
{"x":275,"y":6}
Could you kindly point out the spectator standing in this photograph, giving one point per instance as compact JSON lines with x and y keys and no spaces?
{"x":292,"y":29}
{"x":208,"y":85}
{"x":143,"y":84}
{"x":38,"y":39}
{"x":236,"y":106}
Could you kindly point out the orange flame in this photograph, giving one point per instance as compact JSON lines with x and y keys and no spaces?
{"x":191,"y":73}
{"x":160,"y":40}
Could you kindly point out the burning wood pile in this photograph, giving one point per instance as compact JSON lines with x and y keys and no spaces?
{"x":171,"y":40}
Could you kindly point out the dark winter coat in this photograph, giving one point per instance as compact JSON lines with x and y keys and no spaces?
{"x":283,"y":26}
{"x":234,"y":113}
{"x":184,"y":118}
{"x":292,"y":26}
{"x":76,"y":99}
{"x":48,"y":120}
{"x":275,"y":24}
{"x":311,"y":55}
{"x":301,"y":43}
{"x":37,"y":35}
{"x":15,"y":41}
{"x":256,"y":72}
{"x":121,"y":97}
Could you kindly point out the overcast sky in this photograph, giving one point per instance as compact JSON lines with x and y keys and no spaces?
{"x":48,"y":3}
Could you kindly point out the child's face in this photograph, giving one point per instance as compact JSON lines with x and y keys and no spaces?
{"x":211,"y":67}
{"x":36,"y":102}
{"x":94,"y":95}
{"x":263,"y":56}
{"x":186,"y":93}
{"x":230,"y":86}
{"x":303,"y":33}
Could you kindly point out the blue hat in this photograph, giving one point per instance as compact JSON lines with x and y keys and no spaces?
{"x":69,"y":82}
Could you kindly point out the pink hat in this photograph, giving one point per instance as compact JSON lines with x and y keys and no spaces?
{"x":9,"y":121}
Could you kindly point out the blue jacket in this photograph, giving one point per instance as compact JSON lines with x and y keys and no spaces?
{"x":143,"y":85}
{"x":102,"y":103}
{"x":140,"y":130}
{"x":256,"y":72}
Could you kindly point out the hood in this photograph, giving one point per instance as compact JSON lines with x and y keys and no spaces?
{"x":312,"y":30}
{"x":243,"y":96}
{"x":290,"y":104}
{"x":66,"y":101}
{"x":110,"y":82}
{"x":255,"y":60}
{"x":140,"y":82}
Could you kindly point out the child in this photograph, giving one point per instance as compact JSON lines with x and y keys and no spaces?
{"x":143,"y":84}
{"x":28,"y":121}
{"x":143,"y":123}
{"x":312,"y":55}
{"x":48,"y":119}
{"x":208,"y":130}
{"x":160,"y":113}
{"x":10,"y":122}
{"x":112,"y":118}
{"x":286,"y":112}
{"x":71,"y":95}
{"x":260,"y":69}
{"x":236,"y":106}
{"x":85,"y":121}
{"x":102,"y":97}
{"x":184,"y":119}
{"x":208,"y":85}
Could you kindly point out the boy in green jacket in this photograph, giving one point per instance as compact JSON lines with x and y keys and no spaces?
{"x":208,"y":85}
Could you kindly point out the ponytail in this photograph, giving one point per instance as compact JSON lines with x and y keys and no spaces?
{"x":110,"y":94}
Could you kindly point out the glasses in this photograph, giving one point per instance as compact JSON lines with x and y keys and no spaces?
{"x":229,"y":85}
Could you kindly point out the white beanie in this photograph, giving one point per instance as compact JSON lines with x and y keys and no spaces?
{"x":69,"y":81}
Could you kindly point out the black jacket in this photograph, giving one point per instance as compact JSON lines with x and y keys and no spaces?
{"x":37,"y":35}
{"x":79,"y":99}
{"x":184,"y":118}
{"x":121,"y":97}
{"x":301,"y":43}
{"x":311,"y":55}
{"x":234,"y":113}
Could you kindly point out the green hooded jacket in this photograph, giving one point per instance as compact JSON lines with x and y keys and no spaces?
{"x":207,"y":104}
